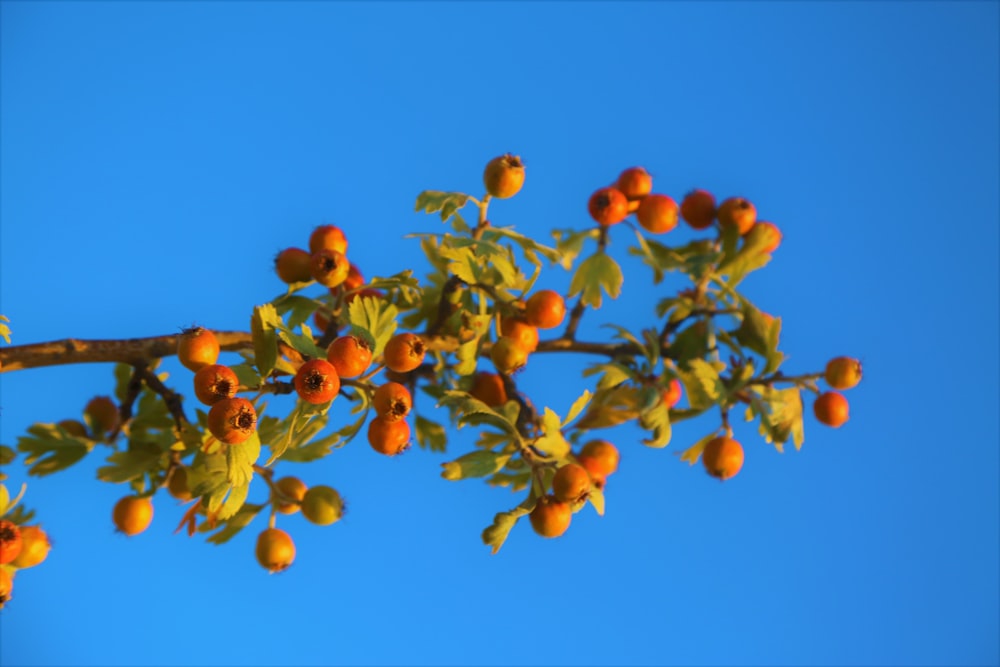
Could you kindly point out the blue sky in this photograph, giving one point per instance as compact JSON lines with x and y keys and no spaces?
{"x":155,"y":156}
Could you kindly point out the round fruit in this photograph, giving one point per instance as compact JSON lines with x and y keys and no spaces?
{"x":292,"y":488}
{"x":292,"y":266}
{"x":102,"y":413}
{"x":10,"y":541}
{"x":504,"y":176}
{"x":388,"y":437}
{"x":177,"y":486}
{"x":197,"y":348}
{"x":768,"y":232}
{"x":329,"y":267}
{"x":843,"y":373}
{"x":321,"y":320}
{"x":599,"y":457}
{"x":738,"y":212}
{"x":722,"y":457}
{"x":133,"y":514}
{"x":329,"y":237}
{"x":74,"y":427}
{"x":275,"y":550}
{"x":214,"y":383}
{"x":232,"y":420}
{"x":392,"y":401}
{"x":550,"y":518}
{"x":672,"y":394}
{"x":519,"y":330}
{"x":657,"y":214}
{"x":608,"y":206}
{"x":635,"y":183}
{"x":489,"y":388}
{"x":404,"y":352}
{"x":35,"y":547}
{"x":317,"y":382}
{"x":698,"y":209}
{"x":571,"y":483}
{"x":546,"y":309}
{"x":322,"y":505}
{"x":6,"y":586}
{"x":508,"y":355}
{"x":354,"y":278}
{"x":831,"y":409}
{"x":350,"y":355}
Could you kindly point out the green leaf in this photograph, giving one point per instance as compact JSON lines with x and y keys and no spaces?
{"x":240,"y":459}
{"x":496,"y":534}
{"x":474,"y":464}
{"x":657,"y":421}
{"x":578,"y":406}
{"x":263,"y":325}
{"x":300,"y":307}
{"x":780,"y":412}
{"x":527,"y":244}
{"x":598,"y":272}
{"x":569,"y":243}
{"x":234,"y":501}
{"x":6,"y":504}
{"x":750,"y":257}
{"x":476,"y":413}
{"x":49,"y":449}
{"x":301,"y":343}
{"x":702,"y":383}
{"x":376,"y":316}
{"x":448,"y":203}
{"x":7,"y":455}
{"x":553,"y":443}
{"x":431,"y":435}
{"x":123,"y":376}
{"x":235,"y":524}
{"x":611,"y":407}
{"x":4,"y":329}
{"x":596,"y":498}
{"x":140,"y":458}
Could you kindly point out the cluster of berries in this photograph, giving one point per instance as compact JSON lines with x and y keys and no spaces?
{"x":21,"y":547}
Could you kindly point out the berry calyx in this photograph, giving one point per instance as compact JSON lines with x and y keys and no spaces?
{"x":388,"y":437}
{"x":508,"y":355}
{"x":843,"y":373}
{"x":392,"y":401}
{"x":102,"y":413}
{"x":292,"y":266}
{"x":599,"y":457}
{"x":635,"y":183}
{"x":350,"y":355}
{"x":328,"y":237}
{"x":292,"y":488}
{"x":35,"y":546}
{"x":329,"y":267}
{"x":275,"y":550}
{"x":232,"y":420}
{"x":133,"y":514}
{"x":10,"y":541}
{"x":722,"y":457}
{"x":550,"y":517}
{"x":317,"y":382}
{"x":322,"y":505}
{"x":504,"y":176}
{"x":404,"y":352}
{"x":698,"y":209}
{"x":832,"y":409}
{"x":214,"y":383}
{"x":571,"y":483}
{"x":196,"y":348}
{"x":737,"y":212}
{"x":657,"y":213}
{"x":608,"y":206}
{"x":546,"y":309}
{"x":489,"y":388}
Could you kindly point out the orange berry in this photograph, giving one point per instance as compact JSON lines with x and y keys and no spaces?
{"x":489,"y":388}
{"x":698,"y":209}
{"x":275,"y":550}
{"x":133,"y":514}
{"x":292,"y":488}
{"x":599,"y":457}
{"x":831,"y":409}
{"x":722,"y":457}
{"x":608,"y":206}
{"x":843,"y":373}
{"x":6,"y":586}
{"x":504,"y":176}
{"x":329,"y":237}
{"x":546,"y":309}
{"x":329,"y":267}
{"x":354,"y":278}
{"x":74,"y":427}
{"x":392,"y":401}
{"x":571,"y":483}
{"x":10,"y":541}
{"x":388,"y":437}
{"x":350,"y":355}
{"x":550,"y":517}
{"x":523,"y":333}
{"x":508,"y":355}
{"x":672,"y":394}
{"x":35,"y":547}
{"x":770,"y":234}
{"x":232,"y":420}
{"x":102,"y":413}
{"x":317,"y":382}
{"x":321,"y":320}
{"x":404,"y":352}
{"x":214,"y":383}
{"x":292,"y":266}
{"x":657,"y":214}
{"x":739,"y":213}
{"x":177,"y":485}
{"x":635,"y":183}
{"x":197,"y":348}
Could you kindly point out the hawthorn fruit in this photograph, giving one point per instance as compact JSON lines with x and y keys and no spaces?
{"x":294,"y":489}
{"x":737,"y":212}
{"x":546,"y":309}
{"x":317,"y":382}
{"x":350,"y":355}
{"x":177,"y":485}
{"x":275,"y":550}
{"x":404,"y":352}
{"x":635,"y":183}
{"x":35,"y":547}
{"x":504,"y":176}
{"x":698,"y":209}
{"x":518,"y":329}
{"x":392,"y":401}
{"x":10,"y":541}
{"x":6,"y":586}
{"x":657,"y":214}
{"x":489,"y":388}
{"x":608,"y":206}
{"x":232,"y":420}
{"x":599,"y":457}
{"x":214,"y":383}
{"x":831,"y":408}
{"x":328,"y":237}
{"x":133,"y":514}
{"x":197,"y":347}
{"x":722,"y":457}
{"x":102,"y":413}
{"x":672,"y":394}
{"x":329,"y":267}
{"x":551,"y":517}
{"x":322,"y":505}
{"x":387,"y":436}
{"x":508,"y":355}
{"x":571,"y":483}
{"x":292,"y":266}
{"x":843,"y":373}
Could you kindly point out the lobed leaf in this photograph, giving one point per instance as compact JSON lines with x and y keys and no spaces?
{"x":597,"y":273}
{"x":479,"y":463}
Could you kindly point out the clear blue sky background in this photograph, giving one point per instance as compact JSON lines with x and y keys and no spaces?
{"x":156,"y":155}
